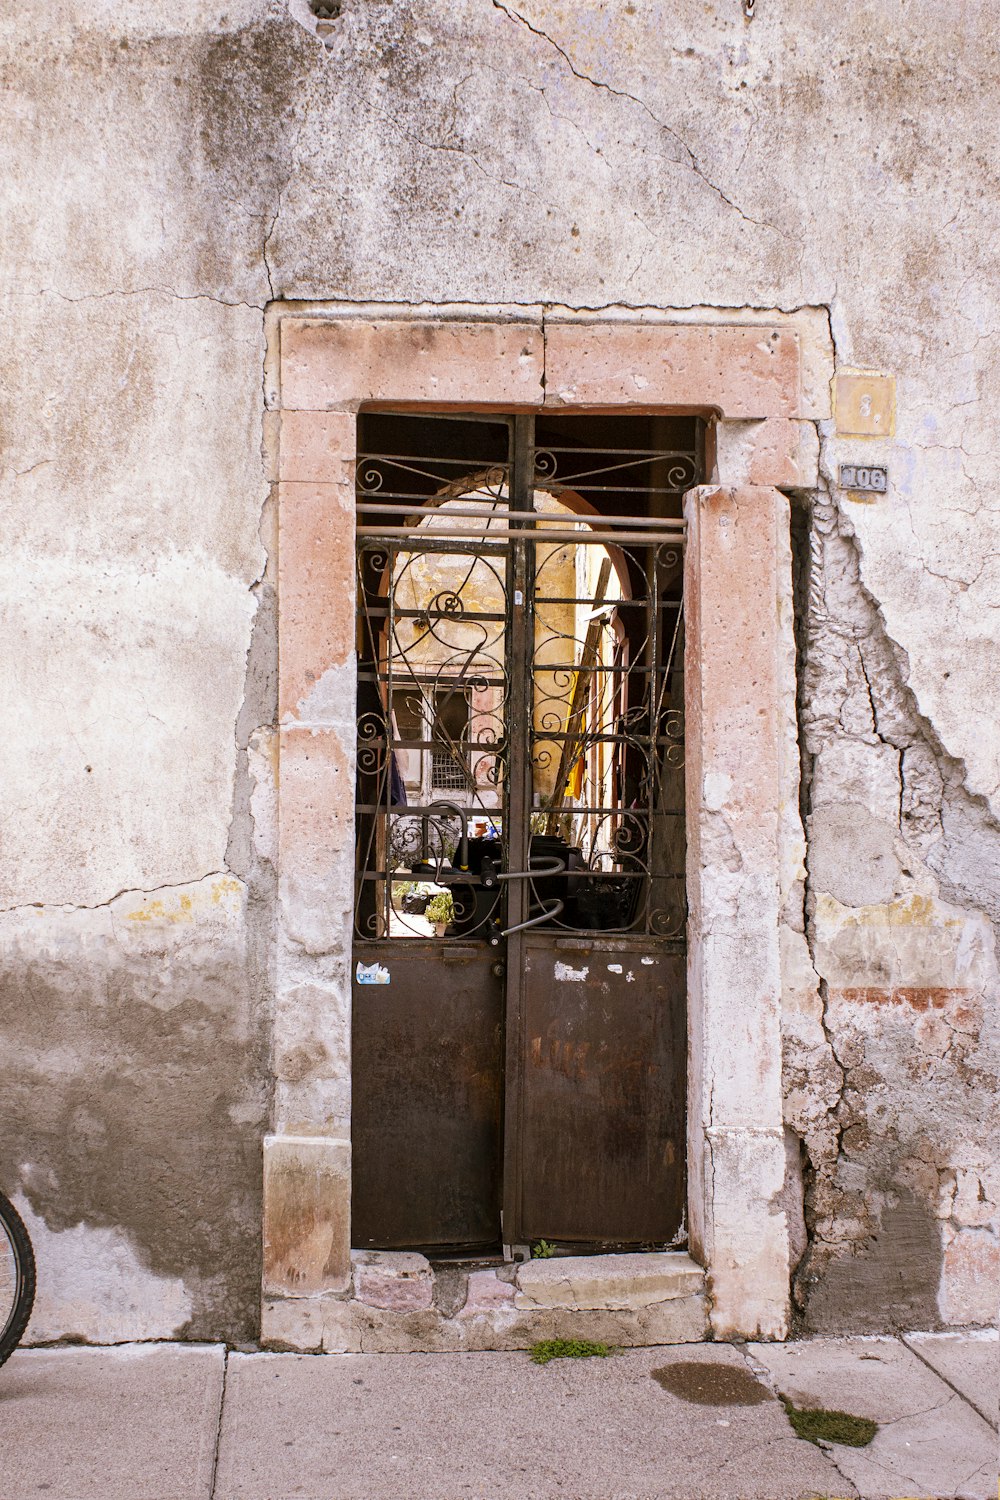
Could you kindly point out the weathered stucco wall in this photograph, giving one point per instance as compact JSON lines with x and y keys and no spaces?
{"x":169,"y":169}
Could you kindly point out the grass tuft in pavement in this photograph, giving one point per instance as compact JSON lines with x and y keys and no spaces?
{"x":817,"y":1425}
{"x":547,"y":1349}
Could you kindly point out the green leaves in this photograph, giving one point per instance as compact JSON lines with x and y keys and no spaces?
{"x":547,"y":1349}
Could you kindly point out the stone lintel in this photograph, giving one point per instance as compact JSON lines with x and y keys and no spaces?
{"x":329,"y":363}
{"x":741,"y":371}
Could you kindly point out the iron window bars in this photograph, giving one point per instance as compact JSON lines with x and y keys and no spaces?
{"x":531,"y":570}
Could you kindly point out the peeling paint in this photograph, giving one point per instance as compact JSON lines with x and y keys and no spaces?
{"x":566,"y":974}
{"x":894,"y":1089}
{"x":93,"y":1287}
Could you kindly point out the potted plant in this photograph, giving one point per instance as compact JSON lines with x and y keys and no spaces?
{"x":411,"y":897}
{"x":440,"y":910}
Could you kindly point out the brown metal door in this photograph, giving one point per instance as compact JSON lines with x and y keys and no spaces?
{"x":426,"y":1121}
{"x":601,"y":1107}
{"x":520,"y":1074}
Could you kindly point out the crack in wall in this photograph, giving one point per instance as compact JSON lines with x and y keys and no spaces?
{"x":138,"y":291}
{"x":265,"y":246}
{"x":599,"y":83}
{"x":798,"y":1070}
{"x":846,"y":656}
{"x":462,"y":151}
{"x":218,"y":1427}
{"x":136,"y":892}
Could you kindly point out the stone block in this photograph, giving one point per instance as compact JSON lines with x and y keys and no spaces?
{"x":339,"y":362}
{"x":315,"y":594}
{"x":746,"y":372}
{"x":748,"y":1278}
{"x":315,"y":812}
{"x":341,"y":1328}
{"x":314,"y":1105}
{"x":682,"y":1320}
{"x":613,"y":1282}
{"x":317,"y":447}
{"x":312,"y":1041}
{"x":732,"y":656}
{"x":293,"y":1324}
{"x":400,"y":1280}
{"x":777,"y":451}
{"x":307,"y":1215}
{"x":353,"y":1326}
{"x":312,"y":1033}
{"x":486,"y":1292}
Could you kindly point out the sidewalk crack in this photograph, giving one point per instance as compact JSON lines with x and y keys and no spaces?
{"x":218,"y":1430}
{"x":960,"y":1394}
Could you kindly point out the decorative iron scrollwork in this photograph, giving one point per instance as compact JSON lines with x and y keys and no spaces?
{"x":599,"y":737}
{"x":369,"y":478}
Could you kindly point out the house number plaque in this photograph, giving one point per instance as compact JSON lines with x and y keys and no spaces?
{"x":864,"y":477}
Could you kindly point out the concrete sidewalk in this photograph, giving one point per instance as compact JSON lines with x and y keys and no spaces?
{"x":186,"y":1422}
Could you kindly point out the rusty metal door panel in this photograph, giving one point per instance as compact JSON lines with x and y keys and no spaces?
{"x":602,"y":1074}
{"x":426,"y":1096}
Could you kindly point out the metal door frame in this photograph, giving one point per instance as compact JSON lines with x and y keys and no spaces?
{"x":520,"y":645}
{"x":519,"y":540}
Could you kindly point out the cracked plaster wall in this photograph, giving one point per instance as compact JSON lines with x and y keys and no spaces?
{"x":891,"y":1027}
{"x":169,"y":169}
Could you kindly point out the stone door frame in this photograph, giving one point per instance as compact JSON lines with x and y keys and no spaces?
{"x":748,"y":374}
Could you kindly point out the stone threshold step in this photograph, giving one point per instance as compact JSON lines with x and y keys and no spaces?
{"x":405,"y":1280}
{"x":403,"y":1304}
{"x":608,"y":1282}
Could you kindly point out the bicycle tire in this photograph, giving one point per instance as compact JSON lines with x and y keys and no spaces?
{"x":22,"y":1257}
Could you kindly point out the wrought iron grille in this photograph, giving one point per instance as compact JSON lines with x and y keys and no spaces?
{"x":520,"y":699}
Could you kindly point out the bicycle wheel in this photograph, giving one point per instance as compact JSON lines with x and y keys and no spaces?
{"x":17,"y":1278}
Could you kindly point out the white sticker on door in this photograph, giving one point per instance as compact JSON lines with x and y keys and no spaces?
{"x":372,"y":974}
